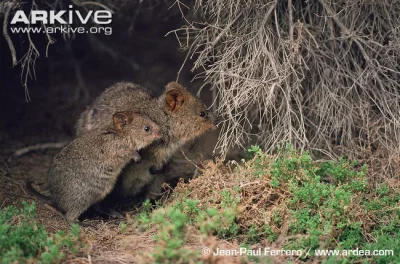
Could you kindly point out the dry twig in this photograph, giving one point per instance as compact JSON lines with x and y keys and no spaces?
{"x":6,"y":9}
{"x":52,"y":145}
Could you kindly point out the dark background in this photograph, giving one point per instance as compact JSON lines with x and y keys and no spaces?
{"x":77,"y":70}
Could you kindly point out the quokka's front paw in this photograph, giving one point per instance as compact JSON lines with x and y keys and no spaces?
{"x":136,"y":157}
{"x":157,"y":170}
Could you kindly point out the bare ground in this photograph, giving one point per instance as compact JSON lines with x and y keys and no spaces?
{"x":104,"y":239}
{"x":106,"y":244}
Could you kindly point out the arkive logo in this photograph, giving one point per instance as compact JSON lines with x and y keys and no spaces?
{"x":64,"y":17}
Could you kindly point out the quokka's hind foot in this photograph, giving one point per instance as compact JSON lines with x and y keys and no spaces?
{"x":72,"y":218}
{"x":104,"y":211}
{"x":82,"y":224}
{"x":115,"y":214}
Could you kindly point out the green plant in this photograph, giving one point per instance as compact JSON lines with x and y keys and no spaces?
{"x":288,"y":199}
{"x":22,"y":239}
{"x":171,"y":236}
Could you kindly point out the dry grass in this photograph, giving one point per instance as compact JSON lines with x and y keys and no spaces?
{"x":259,"y":202}
{"x":320,"y":74}
{"x":105,"y":242}
{"x":257,"y":198}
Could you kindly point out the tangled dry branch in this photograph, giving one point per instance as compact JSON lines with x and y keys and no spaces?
{"x":321,"y":74}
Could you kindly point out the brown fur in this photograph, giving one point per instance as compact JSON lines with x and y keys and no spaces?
{"x":176,"y":112}
{"x":86,"y":170}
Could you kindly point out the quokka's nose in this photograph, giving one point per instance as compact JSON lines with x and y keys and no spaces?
{"x":157,"y":134}
{"x":215,"y":121}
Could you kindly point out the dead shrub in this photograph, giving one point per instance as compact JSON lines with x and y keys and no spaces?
{"x":322,"y":75}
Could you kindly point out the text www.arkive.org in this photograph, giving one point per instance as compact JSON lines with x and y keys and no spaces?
{"x":63,"y":30}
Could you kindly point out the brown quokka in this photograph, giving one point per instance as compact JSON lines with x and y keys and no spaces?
{"x":86,"y":170}
{"x":180,"y":116}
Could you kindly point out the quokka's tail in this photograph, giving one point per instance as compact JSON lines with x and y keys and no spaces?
{"x":41,"y":197}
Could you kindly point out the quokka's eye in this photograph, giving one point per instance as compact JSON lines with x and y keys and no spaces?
{"x":202,"y":114}
{"x":146,"y":128}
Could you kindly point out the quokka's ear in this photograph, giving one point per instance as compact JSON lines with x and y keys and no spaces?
{"x":174,"y":85}
{"x":174,"y":99}
{"x":121,"y":119}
